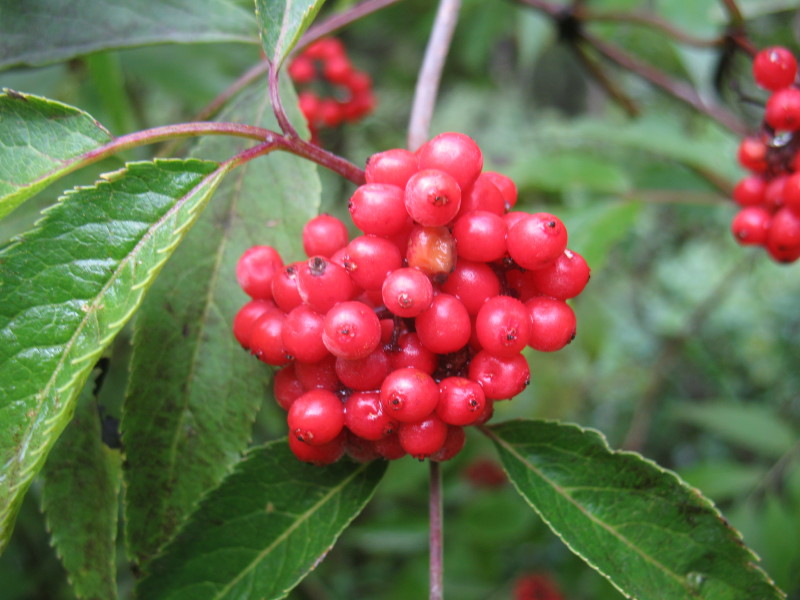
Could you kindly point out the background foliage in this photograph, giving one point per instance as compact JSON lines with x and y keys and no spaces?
{"x":687,"y":345}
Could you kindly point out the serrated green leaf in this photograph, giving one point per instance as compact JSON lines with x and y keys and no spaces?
{"x":40,"y":141}
{"x":262,"y":531}
{"x":187,"y":367}
{"x":282,"y":22}
{"x":38,"y":32}
{"x":80,"y":501}
{"x":650,"y":534}
{"x":750,"y":426}
{"x":66,"y":289}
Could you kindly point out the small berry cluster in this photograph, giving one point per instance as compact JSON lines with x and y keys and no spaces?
{"x":346,"y":97}
{"x":394,"y":341}
{"x":769,"y":196}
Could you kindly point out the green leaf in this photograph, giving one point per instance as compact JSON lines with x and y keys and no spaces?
{"x":281,"y":22}
{"x":187,"y":367}
{"x":263,"y":530}
{"x":558,"y":172}
{"x":752,"y":426}
{"x":40,"y":141}
{"x":649,"y":533}
{"x":79,"y":499}
{"x":597,"y":228}
{"x":66,"y":289}
{"x":38,"y":32}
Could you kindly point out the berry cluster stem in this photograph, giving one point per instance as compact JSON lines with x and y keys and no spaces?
{"x":431,"y":72}
{"x":436,"y":530}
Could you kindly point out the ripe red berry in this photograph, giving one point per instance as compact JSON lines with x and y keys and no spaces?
{"x":255,"y":270}
{"x":407,"y":292}
{"x":337,"y":69}
{"x":783,"y":110}
{"x":319,"y":375}
{"x":454,"y":153}
{"x":784,"y":231}
{"x":302,"y":70}
{"x":322,"y":283}
{"x":553,"y":323}
{"x":265,"y":339}
{"x":483,"y":195}
{"x":365,"y":373}
{"x":409,"y":395}
{"x":351,"y":331}
{"x":472,"y":283}
{"x":500,"y":378}
{"x":453,"y":443}
{"x":394,"y":167}
{"x":365,"y":416}
{"x":461,"y":401}
{"x":301,"y":334}
{"x":480,"y":236}
{"x":752,"y":154}
{"x":537,"y":240}
{"x":247,"y":316}
{"x":323,"y":235}
{"x":503,"y":326}
{"x":774,"y":68}
{"x":749,"y":191}
{"x":389,"y":447}
{"x":432,"y":197}
{"x":316,"y":417}
{"x":379,"y":208}
{"x":564,"y":278}
{"x":284,"y":288}
{"x":287,"y":387}
{"x":444,"y":326}
{"x":506,"y":186}
{"x":750,"y":226}
{"x":410,"y":352}
{"x":423,"y":438}
{"x":370,"y":259}
{"x":321,"y":455}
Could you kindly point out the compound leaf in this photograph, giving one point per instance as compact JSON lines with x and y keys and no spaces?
{"x":40,"y":141}
{"x":281,"y":23}
{"x":267,"y":525}
{"x":38,"y":32}
{"x":649,"y":533}
{"x":187,"y":367}
{"x":66,"y":289}
{"x":80,"y":501}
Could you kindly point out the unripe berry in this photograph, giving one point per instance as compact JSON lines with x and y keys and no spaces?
{"x":432,"y":250}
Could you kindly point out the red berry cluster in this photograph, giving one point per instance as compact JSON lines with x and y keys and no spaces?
{"x":394,"y":341}
{"x":769,"y":196}
{"x":348,"y":94}
{"x":537,"y":586}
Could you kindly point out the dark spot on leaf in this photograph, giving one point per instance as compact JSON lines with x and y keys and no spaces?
{"x":16,"y":95}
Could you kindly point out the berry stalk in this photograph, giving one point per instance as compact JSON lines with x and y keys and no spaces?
{"x":435,"y":533}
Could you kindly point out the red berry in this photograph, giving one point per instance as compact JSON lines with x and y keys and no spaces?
{"x":407,"y":292}
{"x":444,"y":326}
{"x":520,"y":284}
{"x":461,"y":401}
{"x":537,"y":240}
{"x":500,"y":378}
{"x":322,"y":283}
{"x":316,"y":417}
{"x":506,"y":186}
{"x":302,"y":70}
{"x":325,"y":48}
{"x":284,"y":288}
{"x":564,"y":278}
{"x":791,"y":193}
{"x":351,"y":330}
{"x":773,"y":193}
{"x":302,"y":334}
{"x":411,"y":353}
{"x":255,"y":270}
{"x":503,"y":326}
{"x":247,"y":316}
{"x":319,"y":375}
{"x":365,"y":416}
{"x":472,"y":283}
{"x":784,"y":231}
{"x":287,"y":387}
{"x":265,"y":339}
{"x":750,"y":191}
{"x":394,"y":167}
{"x":783,"y":110}
{"x":370,"y":259}
{"x":480,"y":236}
{"x":750,"y":226}
{"x":365,"y":373}
{"x":752,"y":154}
{"x":453,"y":444}
{"x":432,"y":250}
{"x":321,"y":455}
{"x":409,"y":395}
{"x":379,"y":208}
{"x":360,"y":450}
{"x":337,"y":69}
{"x":553,"y":323}
{"x":324,"y":235}
{"x":483,"y":195}
{"x":454,"y":153}
{"x":774,"y":68}
{"x":389,"y":447}
{"x":423,"y":438}
{"x":432,"y":197}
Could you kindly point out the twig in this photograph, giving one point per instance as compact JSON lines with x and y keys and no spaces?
{"x":277,"y":105}
{"x":431,"y":72}
{"x":643,"y":415}
{"x":654,"y":22}
{"x":602,"y":78}
{"x":436,"y":530}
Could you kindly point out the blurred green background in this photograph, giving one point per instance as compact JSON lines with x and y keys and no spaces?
{"x":688,"y":346}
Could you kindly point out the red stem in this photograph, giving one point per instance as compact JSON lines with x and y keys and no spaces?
{"x":435,"y":534}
